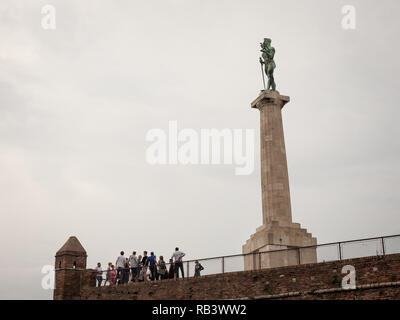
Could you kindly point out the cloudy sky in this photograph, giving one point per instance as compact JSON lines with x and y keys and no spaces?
{"x":76,"y":104}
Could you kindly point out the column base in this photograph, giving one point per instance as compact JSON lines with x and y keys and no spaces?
{"x":274,"y":236}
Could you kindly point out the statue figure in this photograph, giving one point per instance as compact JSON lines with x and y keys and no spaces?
{"x":267,"y":59}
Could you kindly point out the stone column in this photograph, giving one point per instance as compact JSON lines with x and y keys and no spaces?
{"x":274,"y":171}
{"x":277,"y":232}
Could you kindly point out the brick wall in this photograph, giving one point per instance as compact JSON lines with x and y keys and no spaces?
{"x":69,"y":283}
{"x":376,"y":278}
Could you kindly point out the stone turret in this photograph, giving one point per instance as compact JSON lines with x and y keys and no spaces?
{"x":70,"y":267}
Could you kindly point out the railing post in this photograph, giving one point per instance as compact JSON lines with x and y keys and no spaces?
{"x":223,"y":264}
{"x":340,"y":251}
{"x":187,"y":269}
{"x":299,"y":255}
{"x":383,"y":246}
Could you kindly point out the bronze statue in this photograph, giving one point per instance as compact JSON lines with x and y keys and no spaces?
{"x":267,"y":59}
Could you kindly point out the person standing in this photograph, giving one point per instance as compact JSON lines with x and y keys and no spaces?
{"x":108,"y":278}
{"x":140,"y":265}
{"x":197,"y":268}
{"x":134,"y":264}
{"x":113,"y":274}
{"x":120,"y":264}
{"x":144,"y":259}
{"x":145,"y":263}
{"x":125,"y":272}
{"x":177,"y":256}
{"x":152,"y":261}
{"x":99,"y":274}
{"x":162,"y":268}
{"x":148,"y":274}
{"x":141,"y":273}
{"x":171,"y":272}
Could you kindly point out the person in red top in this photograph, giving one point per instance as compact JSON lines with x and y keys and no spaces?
{"x":113,"y":274}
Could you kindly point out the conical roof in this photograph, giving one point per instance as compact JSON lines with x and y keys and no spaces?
{"x":72,"y":245}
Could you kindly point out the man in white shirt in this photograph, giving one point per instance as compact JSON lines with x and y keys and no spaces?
{"x":120,"y":264}
{"x":134,"y":264}
{"x":177,"y":256}
{"x":99,"y":274}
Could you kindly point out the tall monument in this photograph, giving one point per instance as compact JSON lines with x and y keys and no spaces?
{"x":277,"y":231}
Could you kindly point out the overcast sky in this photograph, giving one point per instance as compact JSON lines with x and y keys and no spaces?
{"x":76,"y":104}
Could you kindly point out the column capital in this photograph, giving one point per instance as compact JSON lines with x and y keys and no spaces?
{"x":270,"y":97}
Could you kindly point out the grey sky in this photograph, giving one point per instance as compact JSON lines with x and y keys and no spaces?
{"x":76,"y":103}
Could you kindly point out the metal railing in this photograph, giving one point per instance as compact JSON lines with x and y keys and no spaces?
{"x":300,"y":255}
{"x":334,"y":251}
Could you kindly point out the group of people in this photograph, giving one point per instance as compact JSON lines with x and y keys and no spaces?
{"x":143,"y":268}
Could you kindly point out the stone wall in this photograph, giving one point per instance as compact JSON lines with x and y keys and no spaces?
{"x":69,"y":283}
{"x":376,"y":278}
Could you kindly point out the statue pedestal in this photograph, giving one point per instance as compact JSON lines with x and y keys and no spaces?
{"x":276,"y":237}
{"x":278,"y":231}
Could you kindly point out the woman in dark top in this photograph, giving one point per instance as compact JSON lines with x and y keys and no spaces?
{"x":171,"y":272}
{"x":145,"y":263}
{"x":125,"y":273}
{"x":144,"y":259}
{"x":197,"y":268}
{"x":162,"y":268}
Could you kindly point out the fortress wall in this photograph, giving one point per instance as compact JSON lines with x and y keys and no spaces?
{"x":376,"y":278}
